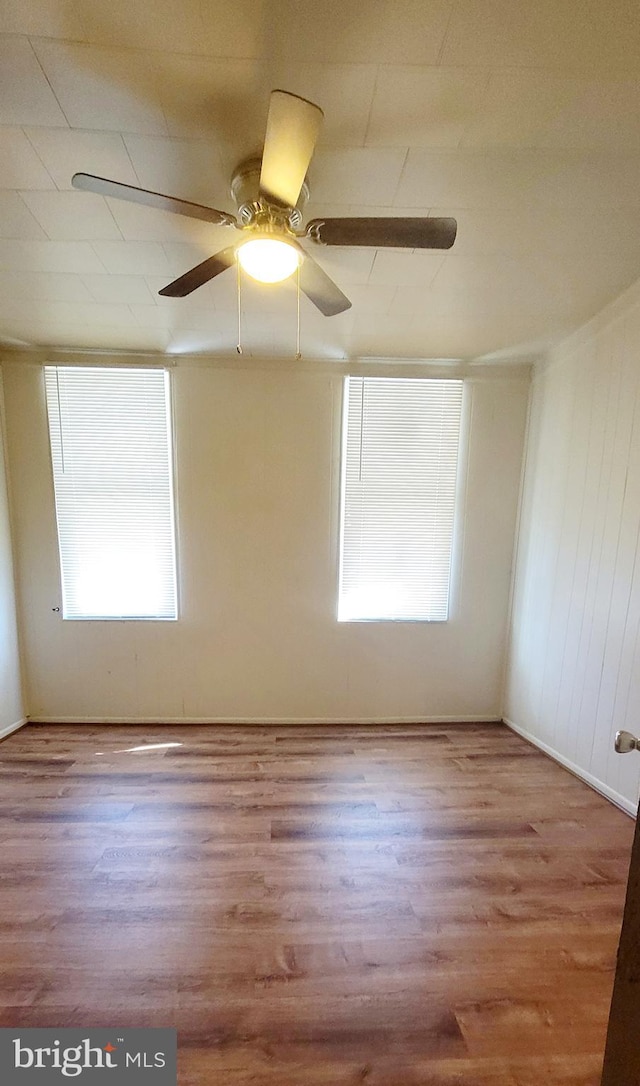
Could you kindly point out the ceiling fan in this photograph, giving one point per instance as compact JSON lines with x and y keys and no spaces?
{"x":270,"y":194}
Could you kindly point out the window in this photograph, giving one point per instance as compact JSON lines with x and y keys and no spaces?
{"x":112,"y":471}
{"x":399,"y":462}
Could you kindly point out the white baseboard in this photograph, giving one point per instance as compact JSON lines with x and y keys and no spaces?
{"x":277,"y":721}
{"x":621,"y":801}
{"x":12,"y":727}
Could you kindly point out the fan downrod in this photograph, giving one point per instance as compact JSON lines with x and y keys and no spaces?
{"x":253,"y":208}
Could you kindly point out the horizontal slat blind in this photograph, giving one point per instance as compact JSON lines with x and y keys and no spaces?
{"x":112,"y":469}
{"x":400,"y":456}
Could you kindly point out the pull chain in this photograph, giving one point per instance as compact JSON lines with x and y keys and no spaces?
{"x":239,"y":291}
{"x":239,"y":297}
{"x":298,"y":352}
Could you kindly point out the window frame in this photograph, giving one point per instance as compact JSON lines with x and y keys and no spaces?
{"x":460,"y":485}
{"x":172,"y":477}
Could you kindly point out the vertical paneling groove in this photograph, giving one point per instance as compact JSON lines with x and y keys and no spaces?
{"x":574,"y":513}
{"x":584,"y":535}
{"x":553,"y":652}
{"x":598,"y":588}
{"x":588,"y":544}
{"x":574,"y":652}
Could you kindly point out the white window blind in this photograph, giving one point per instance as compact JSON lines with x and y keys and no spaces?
{"x":400,"y":456}
{"x":112,"y":469}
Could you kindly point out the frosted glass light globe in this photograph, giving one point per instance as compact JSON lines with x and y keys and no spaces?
{"x":268,"y":260}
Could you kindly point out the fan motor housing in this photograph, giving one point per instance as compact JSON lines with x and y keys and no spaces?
{"x":245,"y":189}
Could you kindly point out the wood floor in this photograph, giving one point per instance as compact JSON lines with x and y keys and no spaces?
{"x":315,"y":906}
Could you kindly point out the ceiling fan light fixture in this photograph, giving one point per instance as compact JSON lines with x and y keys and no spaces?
{"x":269,"y":260}
{"x":270,"y":192}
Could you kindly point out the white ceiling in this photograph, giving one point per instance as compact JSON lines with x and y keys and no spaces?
{"x":519,"y":118}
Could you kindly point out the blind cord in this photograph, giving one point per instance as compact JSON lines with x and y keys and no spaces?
{"x":60,"y":419}
{"x":362,"y":387}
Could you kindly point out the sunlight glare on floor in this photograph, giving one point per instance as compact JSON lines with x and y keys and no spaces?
{"x":141,"y":749}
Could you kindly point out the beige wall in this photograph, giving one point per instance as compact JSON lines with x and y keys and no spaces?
{"x":11,"y":704}
{"x":257,"y":481}
{"x":573,"y":674}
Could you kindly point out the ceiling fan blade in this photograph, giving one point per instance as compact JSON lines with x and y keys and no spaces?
{"x":379,"y":233}
{"x":319,"y":288}
{"x":201,"y":274}
{"x":293,"y":126}
{"x":104,"y":187}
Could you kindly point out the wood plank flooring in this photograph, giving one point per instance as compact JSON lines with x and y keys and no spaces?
{"x":314,"y":905}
